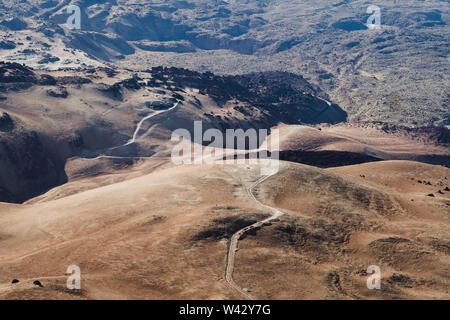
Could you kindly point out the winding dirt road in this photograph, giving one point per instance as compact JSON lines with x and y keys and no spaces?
{"x":135,"y":136}
{"x":234,"y":241}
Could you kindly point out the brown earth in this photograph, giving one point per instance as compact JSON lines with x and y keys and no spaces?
{"x":163,"y":235}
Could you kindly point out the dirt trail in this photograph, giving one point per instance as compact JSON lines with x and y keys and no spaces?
{"x":233,"y":244}
{"x":138,"y":128}
{"x":135,"y":136}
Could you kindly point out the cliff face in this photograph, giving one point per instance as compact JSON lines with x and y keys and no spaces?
{"x":28,"y":168}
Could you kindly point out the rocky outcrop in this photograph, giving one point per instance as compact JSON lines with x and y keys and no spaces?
{"x":48,"y":59}
{"x":7,"y":45}
{"x":170,"y":46}
{"x":6,"y":123}
{"x":16,"y":77}
{"x":112,"y":91}
{"x":61,"y":92}
{"x":14,"y":24}
{"x":16,"y":73}
{"x":283,"y":97}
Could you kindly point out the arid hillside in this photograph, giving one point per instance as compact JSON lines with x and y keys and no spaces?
{"x":164,"y":234}
{"x":47,"y":118}
{"x":60,"y":125}
{"x":224,"y":150}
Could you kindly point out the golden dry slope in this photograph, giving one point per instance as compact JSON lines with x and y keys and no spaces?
{"x":164,"y":235}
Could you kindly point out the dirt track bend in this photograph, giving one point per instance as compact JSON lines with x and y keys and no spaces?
{"x":233,"y":244}
{"x":135,"y":136}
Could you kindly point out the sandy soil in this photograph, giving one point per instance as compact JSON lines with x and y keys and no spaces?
{"x":356,"y":138}
{"x":163,"y":235}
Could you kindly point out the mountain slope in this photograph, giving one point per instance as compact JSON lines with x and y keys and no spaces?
{"x":164,"y":235}
{"x":50,"y":117}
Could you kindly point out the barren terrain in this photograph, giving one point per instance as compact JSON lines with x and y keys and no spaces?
{"x":88,"y":175}
{"x":396,"y":74}
{"x":164,"y":235}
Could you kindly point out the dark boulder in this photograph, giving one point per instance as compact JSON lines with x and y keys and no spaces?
{"x":61,"y":92}
{"x":38,"y":283}
{"x":7,"y":45}
{"x":47,"y":80}
{"x":48,"y":59}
